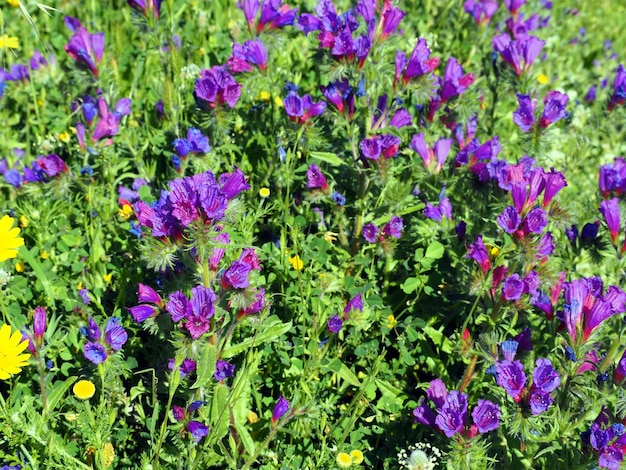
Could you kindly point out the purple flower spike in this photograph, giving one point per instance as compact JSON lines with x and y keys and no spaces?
{"x":619,"y":88}
{"x":519,"y":53}
{"x":554,"y":108}
{"x":524,"y":116}
{"x":280,"y":409}
{"x":335,"y":324}
{"x":486,"y":416}
{"x":610,"y":211}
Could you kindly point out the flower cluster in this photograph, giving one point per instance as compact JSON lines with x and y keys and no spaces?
{"x":99,"y":347}
{"x":511,"y":377}
{"x":195,"y":428}
{"x":393,"y":229}
{"x":608,"y":440}
{"x":102,"y":122}
{"x":41,"y":170}
{"x":554,"y":110}
{"x":216,"y":86}
{"x":273,"y":14}
{"x":451,"y":412}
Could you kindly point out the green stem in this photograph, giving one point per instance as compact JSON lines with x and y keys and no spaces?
{"x":170,"y":398}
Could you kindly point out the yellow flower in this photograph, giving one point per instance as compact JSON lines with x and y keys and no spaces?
{"x":296,"y":262}
{"x":543,"y":79}
{"x":64,"y":137}
{"x":19,"y":266}
{"x":23,"y":221}
{"x":344,"y":460}
{"x":79,"y":286}
{"x":9,"y":242}
{"x":278,"y":101}
{"x":391,"y":321}
{"x":9,"y":42}
{"x":357,"y":456}
{"x":11,"y":347}
{"x":252,"y":417}
{"x":44,"y":254}
{"x":125,"y":211}
{"x":264,"y":192}
{"x":13,"y":3}
{"x":84,"y":389}
{"x":107,"y":277}
{"x":108,"y":454}
{"x":202,"y":51}
{"x":264,"y":96}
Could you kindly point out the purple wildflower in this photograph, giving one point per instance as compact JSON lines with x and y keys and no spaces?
{"x":223,"y":370}
{"x":86,"y":48}
{"x":619,"y":88}
{"x":524,"y":116}
{"x":334,"y":324}
{"x":280,"y":409}
{"x":486,"y":416}
{"x":554,"y":108}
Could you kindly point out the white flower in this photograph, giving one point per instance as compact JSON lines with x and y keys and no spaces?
{"x":422,"y":456}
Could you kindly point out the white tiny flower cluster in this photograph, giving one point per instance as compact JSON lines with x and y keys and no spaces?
{"x":422,"y":456}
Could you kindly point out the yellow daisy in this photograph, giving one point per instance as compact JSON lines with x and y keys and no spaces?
{"x":11,"y":347}
{"x":84,"y":389}
{"x":357,"y":456}
{"x":9,"y":241}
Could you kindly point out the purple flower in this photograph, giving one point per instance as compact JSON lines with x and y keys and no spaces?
{"x":539,"y":402}
{"x":512,"y":288}
{"x":315,"y":178}
{"x":452,"y":414}
{"x":142,"y":312}
{"x":590,"y":97}
{"x":301,"y":109}
{"x":178,"y":306}
{"x":370,"y":233}
{"x":281,"y":407}
{"x":147,"y":7}
{"x":619,"y":88}
{"x":86,"y":48}
{"x":511,"y":377}
{"x":419,"y":64}
{"x":524,"y":116}
{"x":545,"y":378}
{"x":610,"y":211}
{"x":246,"y":56}
{"x":486,"y":416}
{"x":95,"y":353}
{"x":514,"y":5}
{"x":197,"y":430}
{"x":454,"y":82}
{"x":423,"y":414}
{"x":147,"y":294}
{"x":554,"y":182}
{"x":223,"y":370}
{"x":370,"y":148}
{"x":509,"y":349}
{"x":334,"y":324}
{"x":393,"y":228}
{"x":535,"y":221}
{"x":481,"y":10}
{"x":274,"y":15}
{"x":478,"y":253}
{"x":355,"y":303}
{"x":202,"y":302}
{"x":216,"y":86}
{"x":509,"y":220}
{"x":115,"y":334}
{"x":236,"y":276}
{"x":620,"y":369}
{"x":39,"y":324}
{"x":84,"y":294}
{"x":390,"y":19}
{"x":232,"y":184}
{"x":554,"y":108}
{"x":519,"y":53}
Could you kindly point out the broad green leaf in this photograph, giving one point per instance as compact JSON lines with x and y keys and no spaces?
{"x":219,"y":411}
{"x":328,"y":157}
{"x":434,"y":250}
{"x":342,"y":371}
{"x":411,"y":285}
{"x":206,"y":366}
{"x":58,"y":390}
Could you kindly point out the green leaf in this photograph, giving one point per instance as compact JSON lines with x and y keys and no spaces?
{"x":39,"y":272}
{"x":411,"y":285}
{"x":342,"y":371}
{"x":219,"y":411}
{"x":274,"y":328}
{"x":206,"y":366}
{"x":434,"y":250}
{"x":328,"y":157}
{"x":58,"y":390}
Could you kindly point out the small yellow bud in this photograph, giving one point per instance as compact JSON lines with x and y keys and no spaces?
{"x":19,"y":266}
{"x":264,"y":192}
{"x":44,"y":254}
{"x":23,"y":221}
{"x":543,"y":79}
{"x":252,"y":417}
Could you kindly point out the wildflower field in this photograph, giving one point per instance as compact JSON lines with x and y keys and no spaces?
{"x":312,"y":234}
